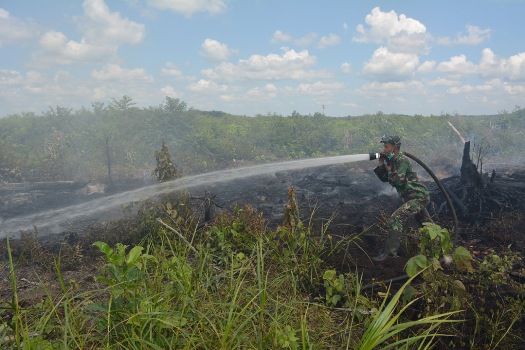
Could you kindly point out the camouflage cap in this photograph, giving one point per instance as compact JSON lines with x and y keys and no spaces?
{"x":393,"y":140}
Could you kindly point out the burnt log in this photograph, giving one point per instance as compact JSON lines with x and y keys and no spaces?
{"x":470,"y":177}
{"x":482,"y":197}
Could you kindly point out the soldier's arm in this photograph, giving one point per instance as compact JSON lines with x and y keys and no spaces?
{"x":397,"y":177}
{"x":381,"y":173}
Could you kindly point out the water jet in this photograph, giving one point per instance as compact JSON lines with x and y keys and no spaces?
{"x":58,"y":220}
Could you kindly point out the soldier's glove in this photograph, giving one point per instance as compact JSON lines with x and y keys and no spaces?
{"x":385,"y":157}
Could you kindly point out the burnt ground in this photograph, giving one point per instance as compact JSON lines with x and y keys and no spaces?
{"x":349,"y":197}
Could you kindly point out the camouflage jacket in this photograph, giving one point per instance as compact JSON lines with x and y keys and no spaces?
{"x":403,"y":177}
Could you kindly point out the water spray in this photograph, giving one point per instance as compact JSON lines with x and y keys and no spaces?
{"x":60,"y":219}
{"x":57,"y":220}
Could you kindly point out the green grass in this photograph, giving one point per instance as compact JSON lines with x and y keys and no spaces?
{"x":234,"y":285}
{"x":171,"y":298}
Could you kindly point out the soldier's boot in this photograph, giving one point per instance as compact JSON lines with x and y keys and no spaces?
{"x":422,"y":217}
{"x":392,"y":244}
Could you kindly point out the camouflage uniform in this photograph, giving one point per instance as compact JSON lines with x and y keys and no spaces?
{"x":414,"y":194}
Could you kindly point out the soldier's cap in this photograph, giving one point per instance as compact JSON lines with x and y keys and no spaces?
{"x":393,"y":140}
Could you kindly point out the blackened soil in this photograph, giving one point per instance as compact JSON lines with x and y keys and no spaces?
{"x":349,"y":198}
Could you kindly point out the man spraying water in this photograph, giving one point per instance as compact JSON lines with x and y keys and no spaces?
{"x":395,"y":168}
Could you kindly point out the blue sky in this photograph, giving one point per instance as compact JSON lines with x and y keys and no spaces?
{"x":252,"y":57}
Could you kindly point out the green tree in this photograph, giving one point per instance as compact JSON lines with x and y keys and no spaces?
{"x":123,"y":104}
{"x":174,"y":105}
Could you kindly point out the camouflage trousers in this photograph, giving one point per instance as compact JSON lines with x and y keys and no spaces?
{"x":413,"y":207}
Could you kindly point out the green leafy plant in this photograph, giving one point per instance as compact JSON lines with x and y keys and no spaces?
{"x":386,"y":327}
{"x":235,"y":234}
{"x":125,"y":275}
{"x":497,"y":302}
{"x":286,"y":338}
{"x":435,"y":245}
{"x":334,"y":287}
{"x":122,"y":267}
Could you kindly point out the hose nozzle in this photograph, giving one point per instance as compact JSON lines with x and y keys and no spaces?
{"x":377,"y":156}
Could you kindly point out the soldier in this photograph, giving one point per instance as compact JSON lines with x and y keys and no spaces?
{"x":395,"y":168}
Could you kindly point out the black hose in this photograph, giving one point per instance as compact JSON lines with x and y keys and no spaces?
{"x":443,"y":191}
{"x":390,"y":280}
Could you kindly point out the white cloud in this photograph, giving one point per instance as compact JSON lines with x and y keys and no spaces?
{"x":170,"y":69}
{"x":442,"y":40}
{"x":113,"y":81}
{"x":269,"y":91}
{"x":490,"y":66}
{"x":114,"y":72}
{"x":10,"y":77}
{"x":14,"y":29}
{"x":34,"y":90}
{"x":397,"y":33}
{"x":103,"y":31}
{"x":215,"y":51}
{"x":490,"y":93}
{"x":57,"y":49}
{"x":320,"y":88}
{"x":393,"y":88}
{"x":109,"y":28}
{"x":207,"y":86}
{"x":457,"y":66}
{"x":514,"y":90}
{"x":168,"y":90}
{"x":385,"y":65}
{"x":291,"y":65}
{"x":467,"y":88}
{"x":306,"y":40}
{"x":11,"y":84}
{"x":443,"y":82}
{"x":346,"y":68}
{"x":35,"y":82}
{"x":14,"y":84}
{"x":330,"y":40}
{"x":515,"y":67}
{"x":398,"y":97}
{"x":426,"y":67}
{"x":280,"y":37}
{"x":475,"y":36}
{"x":190,"y":7}
{"x":512,"y":68}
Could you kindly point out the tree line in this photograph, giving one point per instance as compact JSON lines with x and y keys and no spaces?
{"x":119,"y":140}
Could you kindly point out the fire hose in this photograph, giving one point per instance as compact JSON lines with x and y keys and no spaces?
{"x":443,"y":191}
